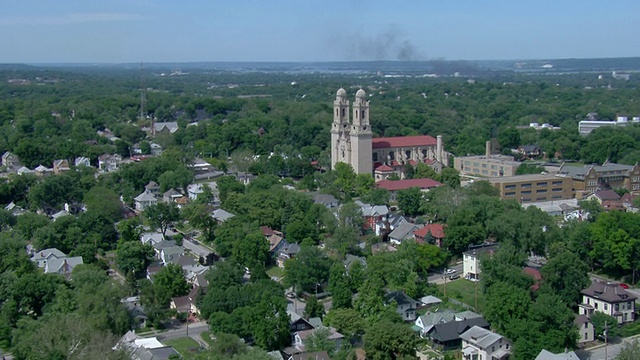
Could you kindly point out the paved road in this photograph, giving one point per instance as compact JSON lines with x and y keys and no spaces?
{"x":612,"y":350}
{"x":195,"y":329}
{"x":198,"y":250}
{"x":437,"y":278}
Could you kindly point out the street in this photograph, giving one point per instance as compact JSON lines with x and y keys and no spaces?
{"x":438,"y":279}
{"x":195,"y":329}
{"x":612,"y":350}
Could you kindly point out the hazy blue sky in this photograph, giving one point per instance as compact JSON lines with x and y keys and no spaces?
{"x":35,"y":31}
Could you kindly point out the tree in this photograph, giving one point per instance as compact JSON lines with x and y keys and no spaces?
{"x":319,"y":341}
{"x":134,"y":257}
{"x":410,"y":201}
{"x":200,"y":218}
{"x":348,"y":322}
{"x":339,"y":287}
{"x":171,"y":279}
{"x":252,"y":251}
{"x":162,"y":214}
{"x":509,"y":138}
{"x":309,"y":268}
{"x":450,"y":176}
{"x":629,"y":351}
{"x":566,"y":275}
{"x":104,"y":201}
{"x":602,"y":322}
{"x":313,"y":308}
{"x":387,"y":340}
{"x":228,"y":185}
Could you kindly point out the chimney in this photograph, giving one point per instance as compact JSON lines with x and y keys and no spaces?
{"x":488,"y":149}
{"x":439,"y":148}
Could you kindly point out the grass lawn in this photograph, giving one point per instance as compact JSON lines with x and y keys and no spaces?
{"x":464,"y":291}
{"x":184,"y":345}
{"x":275,"y":271}
{"x":206,"y":336}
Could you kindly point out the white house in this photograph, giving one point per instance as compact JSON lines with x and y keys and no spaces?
{"x":221,"y":215}
{"x":109,"y":162}
{"x":82,"y":161}
{"x":548,"y":355}
{"x":471,"y":260}
{"x":586,"y":330}
{"x":144,"y":200}
{"x":479,"y":343}
{"x":608,"y":298}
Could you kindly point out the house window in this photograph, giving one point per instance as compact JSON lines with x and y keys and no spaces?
{"x":617,"y":307}
{"x":527,"y":185}
{"x":586,"y":325}
{"x":511,"y":193}
{"x":526,"y":192}
{"x":543,"y":183}
{"x":595,"y":304}
{"x":606,"y":306}
{"x":591,"y":183}
{"x":586,"y":335}
{"x":375,"y":156}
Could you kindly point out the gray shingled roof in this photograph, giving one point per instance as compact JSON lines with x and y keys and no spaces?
{"x":480,"y":337}
{"x":452,"y":330}
{"x":611,"y":293}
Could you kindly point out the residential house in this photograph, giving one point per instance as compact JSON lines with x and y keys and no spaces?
{"x":389,"y":223}
{"x":199,"y":166}
{"x":109,"y":162}
{"x":329,"y":201}
{"x":300,"y":337}
{"x":403,"y":232}
{"x":349,"y":260}
{"x":194,"y":190}
{"x":10,"y":160}
{"x":393,"y":186}
{"x":14,"y":209}
{"x":608,"y":298}
{"x":42,"y":170}
{"x":159,"y":246}
{"x":471,"y":260}
{"x":43,"y":256}
{"x":424,"y":323}
{"x":164,"y":128}
{"x":267,"y":232}
{"x":276,"y":244}
{"x":405,"y":306}
{"x":186,"y":304}
{"x":244,"y":178}
{"x":153,"y":188}
{"x":382,"y":247}
{"x":221,"y":215}
{"x":171,"y":196}
{"x":171,"y":254}
{"x":156,"y":149}
{"x":480,"y":343}
{"x":586,"y":330}
{"x":61,"y":213}
{"x":430,"y":234}
{"x":446,"y":336}
{"x":151,"y":238}
{"x":529,"y":151}
{"x":82,"y":161}
{"x":63,"y":266}
{"x":144,"y":200}
{"x":536,"y":275}
{"x":298,"y":323}
{"x":547,"y":355}
{"x":372,"y":213}
{"x":604,"y":195}
{"x":23,"y":170}
{"x":287,"y":252}
{"x":466,"y":315}
{"x":430,"y":300}
{"x":138,"y":348}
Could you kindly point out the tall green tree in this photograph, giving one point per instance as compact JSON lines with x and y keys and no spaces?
{"x":162,"y":214}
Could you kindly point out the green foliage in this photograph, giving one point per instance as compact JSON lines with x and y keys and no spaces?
{"x":629,"y":351}
{"x":566,"y":275}
{"x":339,"y":287}
{"x":525,"y":168}
{"x":313,"y":308}
{"x":410,"y":201}
{"x":162,"y":214}
{"x":319,"y":341}
{"x":386,"y":340}
{"x":252,"y":251}
{"x":170,"y":281}
{"x":103,"y":201}
{"x":602,"y":322}
{"x":348,"y":322}
{"x":134,"y":257}
{"x":309,"y":267}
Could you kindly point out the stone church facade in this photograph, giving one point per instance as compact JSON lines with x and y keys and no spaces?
{"x":352,"y":143}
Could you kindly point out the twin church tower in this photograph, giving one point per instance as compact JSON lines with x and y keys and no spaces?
{"x":351,"y":140}
{"x":352,"y":143}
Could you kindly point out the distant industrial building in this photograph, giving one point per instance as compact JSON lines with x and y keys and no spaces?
{"x":537,"y":187}
{"x":585,"y":127}
{"x":487,"y":165}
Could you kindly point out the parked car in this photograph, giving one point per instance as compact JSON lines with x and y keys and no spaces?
{"x":450,"y":271}
{"x":291,"y":295}
{"x":454,"y":277}
{"x":624,"y":286}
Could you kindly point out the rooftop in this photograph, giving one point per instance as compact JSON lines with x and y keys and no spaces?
{"x":403,"y":141}
{"x":393,"y":185}
{"x":519,"y":178}
{"x":609,"y":292}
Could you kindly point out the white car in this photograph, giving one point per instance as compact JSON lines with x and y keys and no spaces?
{"x":449,"y":271}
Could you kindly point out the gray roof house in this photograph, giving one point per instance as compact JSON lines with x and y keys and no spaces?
{"x":144,"y":200}
{"x":171,"y":254}
{"x":424,"y":323}
{"x":403,"y":232}
{"x":447,"y":335}
{"x":485,"y":344}
{"x":548,"y":355}
{"x":327,"y":200}
{"x":406,"y":306}
{"x":43,"y":256}
{"x":63,"y":266}
{"x":221,"y":215}
{"x":352,"y":259}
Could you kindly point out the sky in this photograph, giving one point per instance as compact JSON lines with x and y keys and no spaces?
{"x":120,"y":31}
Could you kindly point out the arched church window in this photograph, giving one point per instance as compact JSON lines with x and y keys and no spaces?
{"x":337,"y":112}
{"x":364,"y":113}
{"x":343,"y":112}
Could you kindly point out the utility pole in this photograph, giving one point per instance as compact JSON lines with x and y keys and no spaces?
{"x":476,"y":286}
{"x":444,"y":276}
{"x":606,"y":357}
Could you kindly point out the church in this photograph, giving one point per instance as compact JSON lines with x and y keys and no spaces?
{"x":352,"y":142}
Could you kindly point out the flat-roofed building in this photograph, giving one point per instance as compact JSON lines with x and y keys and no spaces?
{"x":536,"y":187}
{"x":487,"y":165}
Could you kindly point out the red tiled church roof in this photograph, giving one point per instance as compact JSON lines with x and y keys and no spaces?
{"x":393,"y":185}
{"x":403,"y":141}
